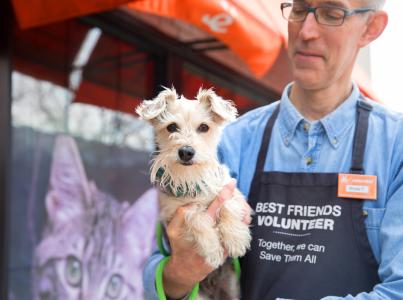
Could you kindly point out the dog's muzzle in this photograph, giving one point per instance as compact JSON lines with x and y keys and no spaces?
{"x":186,"y":153}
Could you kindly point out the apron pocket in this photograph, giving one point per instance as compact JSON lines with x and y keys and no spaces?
{"x":373,"y":222}
{"x":374,"y":218}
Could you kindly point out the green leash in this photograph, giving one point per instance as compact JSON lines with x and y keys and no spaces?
{"x":237,"y":267}
{"x":159,"y":240}
{"x":160,"y":269}
{"x":160,"y":287}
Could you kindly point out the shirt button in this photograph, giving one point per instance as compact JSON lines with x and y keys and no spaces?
{"x":365,"y":213}
{"x":334,"y":141}
{"x":306,"y":127}
{"x":308,"y":160}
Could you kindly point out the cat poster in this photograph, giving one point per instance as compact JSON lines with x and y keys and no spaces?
{"x":82,"y":217}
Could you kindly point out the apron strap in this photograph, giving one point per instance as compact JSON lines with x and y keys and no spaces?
{"x":264,"y":146}
{"x":360,"y":136}
{"x":261,"y":158}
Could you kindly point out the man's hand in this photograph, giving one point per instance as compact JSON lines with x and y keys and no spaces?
{"x":186,"y":267}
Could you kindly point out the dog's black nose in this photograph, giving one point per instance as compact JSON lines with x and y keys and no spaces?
{"x":186,"y":153}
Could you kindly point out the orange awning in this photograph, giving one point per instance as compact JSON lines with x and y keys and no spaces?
{"x":253,"y":30}
{"x":246,"y":27}
{"x":40,"y":12}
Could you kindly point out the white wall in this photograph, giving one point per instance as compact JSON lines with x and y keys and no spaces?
{"x":387,"y":58}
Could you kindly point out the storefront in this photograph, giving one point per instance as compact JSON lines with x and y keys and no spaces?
{"x":77,"y":212}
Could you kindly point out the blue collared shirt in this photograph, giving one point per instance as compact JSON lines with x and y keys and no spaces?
{"x":298,"y":145}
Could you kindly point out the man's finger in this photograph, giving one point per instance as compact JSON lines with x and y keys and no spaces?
{"x":247,"y":213}
{"x":247,"y":219}
{"x":225,"y":194}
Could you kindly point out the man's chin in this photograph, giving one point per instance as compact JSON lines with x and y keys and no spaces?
{"x":309,"y":80}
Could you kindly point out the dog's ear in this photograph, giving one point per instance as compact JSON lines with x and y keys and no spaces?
{"x":151,"y":109}
{"x":223,"y":109}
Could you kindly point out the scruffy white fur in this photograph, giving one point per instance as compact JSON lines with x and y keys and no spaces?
{"x":204,"y":178}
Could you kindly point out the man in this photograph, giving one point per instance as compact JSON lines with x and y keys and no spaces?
{"x":316,"y":235}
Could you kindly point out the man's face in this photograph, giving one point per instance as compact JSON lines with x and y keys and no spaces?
{"x":321,"y":55}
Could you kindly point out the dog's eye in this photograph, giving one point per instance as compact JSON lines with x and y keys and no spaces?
{"x":172,"y":127}
{"x":203,"y":128}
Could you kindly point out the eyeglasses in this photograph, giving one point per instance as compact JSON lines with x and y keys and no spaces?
{"x":325,"y":15}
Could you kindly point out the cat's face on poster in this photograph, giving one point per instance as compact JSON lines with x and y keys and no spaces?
{"x":93,"y":246}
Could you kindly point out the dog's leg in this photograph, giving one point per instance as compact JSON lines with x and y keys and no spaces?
{"x":201,"y":230}
{"x":235,"y":234}
{"x":221,"y":284}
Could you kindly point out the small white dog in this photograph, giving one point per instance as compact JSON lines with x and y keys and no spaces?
{"x":187,"y":171}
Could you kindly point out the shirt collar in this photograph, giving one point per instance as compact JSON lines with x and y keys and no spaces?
{"x":289,"y":116}
{"x":338,"y":121}
{"x":334,"y":124}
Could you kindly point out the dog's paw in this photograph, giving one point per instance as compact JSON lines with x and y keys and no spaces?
{"x":215,"y":259}
{"x":234,"y":233}
{"x":236,"y":240}
{"x":209,"y":246}
{"x":201,"y":230}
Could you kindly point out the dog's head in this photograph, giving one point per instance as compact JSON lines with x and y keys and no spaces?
{"x":187,"y":131}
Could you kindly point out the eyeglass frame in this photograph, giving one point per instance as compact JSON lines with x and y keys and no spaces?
{"x":310,"y":9}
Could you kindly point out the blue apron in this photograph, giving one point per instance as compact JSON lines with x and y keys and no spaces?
{"x":306,"y":242}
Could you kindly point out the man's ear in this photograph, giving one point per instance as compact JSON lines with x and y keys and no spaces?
{"x":376,"y":24}
{"x":151,"y":109}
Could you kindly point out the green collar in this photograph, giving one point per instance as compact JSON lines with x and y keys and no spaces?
{"x":180,"y":191}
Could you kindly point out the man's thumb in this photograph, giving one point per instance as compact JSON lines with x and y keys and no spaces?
{"x":226,"y":193}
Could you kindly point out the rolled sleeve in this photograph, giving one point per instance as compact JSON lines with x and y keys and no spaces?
{"x":149,"y":275}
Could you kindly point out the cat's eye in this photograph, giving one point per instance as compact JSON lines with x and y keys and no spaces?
{"x":203,"y":127}
{"x":172,"y":127}
{"x":114,"y":287}
{"x":73,"y":271}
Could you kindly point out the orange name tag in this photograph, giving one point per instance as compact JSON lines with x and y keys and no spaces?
{"x":357,"y":186}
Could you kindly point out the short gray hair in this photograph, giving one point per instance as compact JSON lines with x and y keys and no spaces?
{"x":375,"y":4}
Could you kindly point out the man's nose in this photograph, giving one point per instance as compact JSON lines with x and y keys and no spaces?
{"x":309,"y":28}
